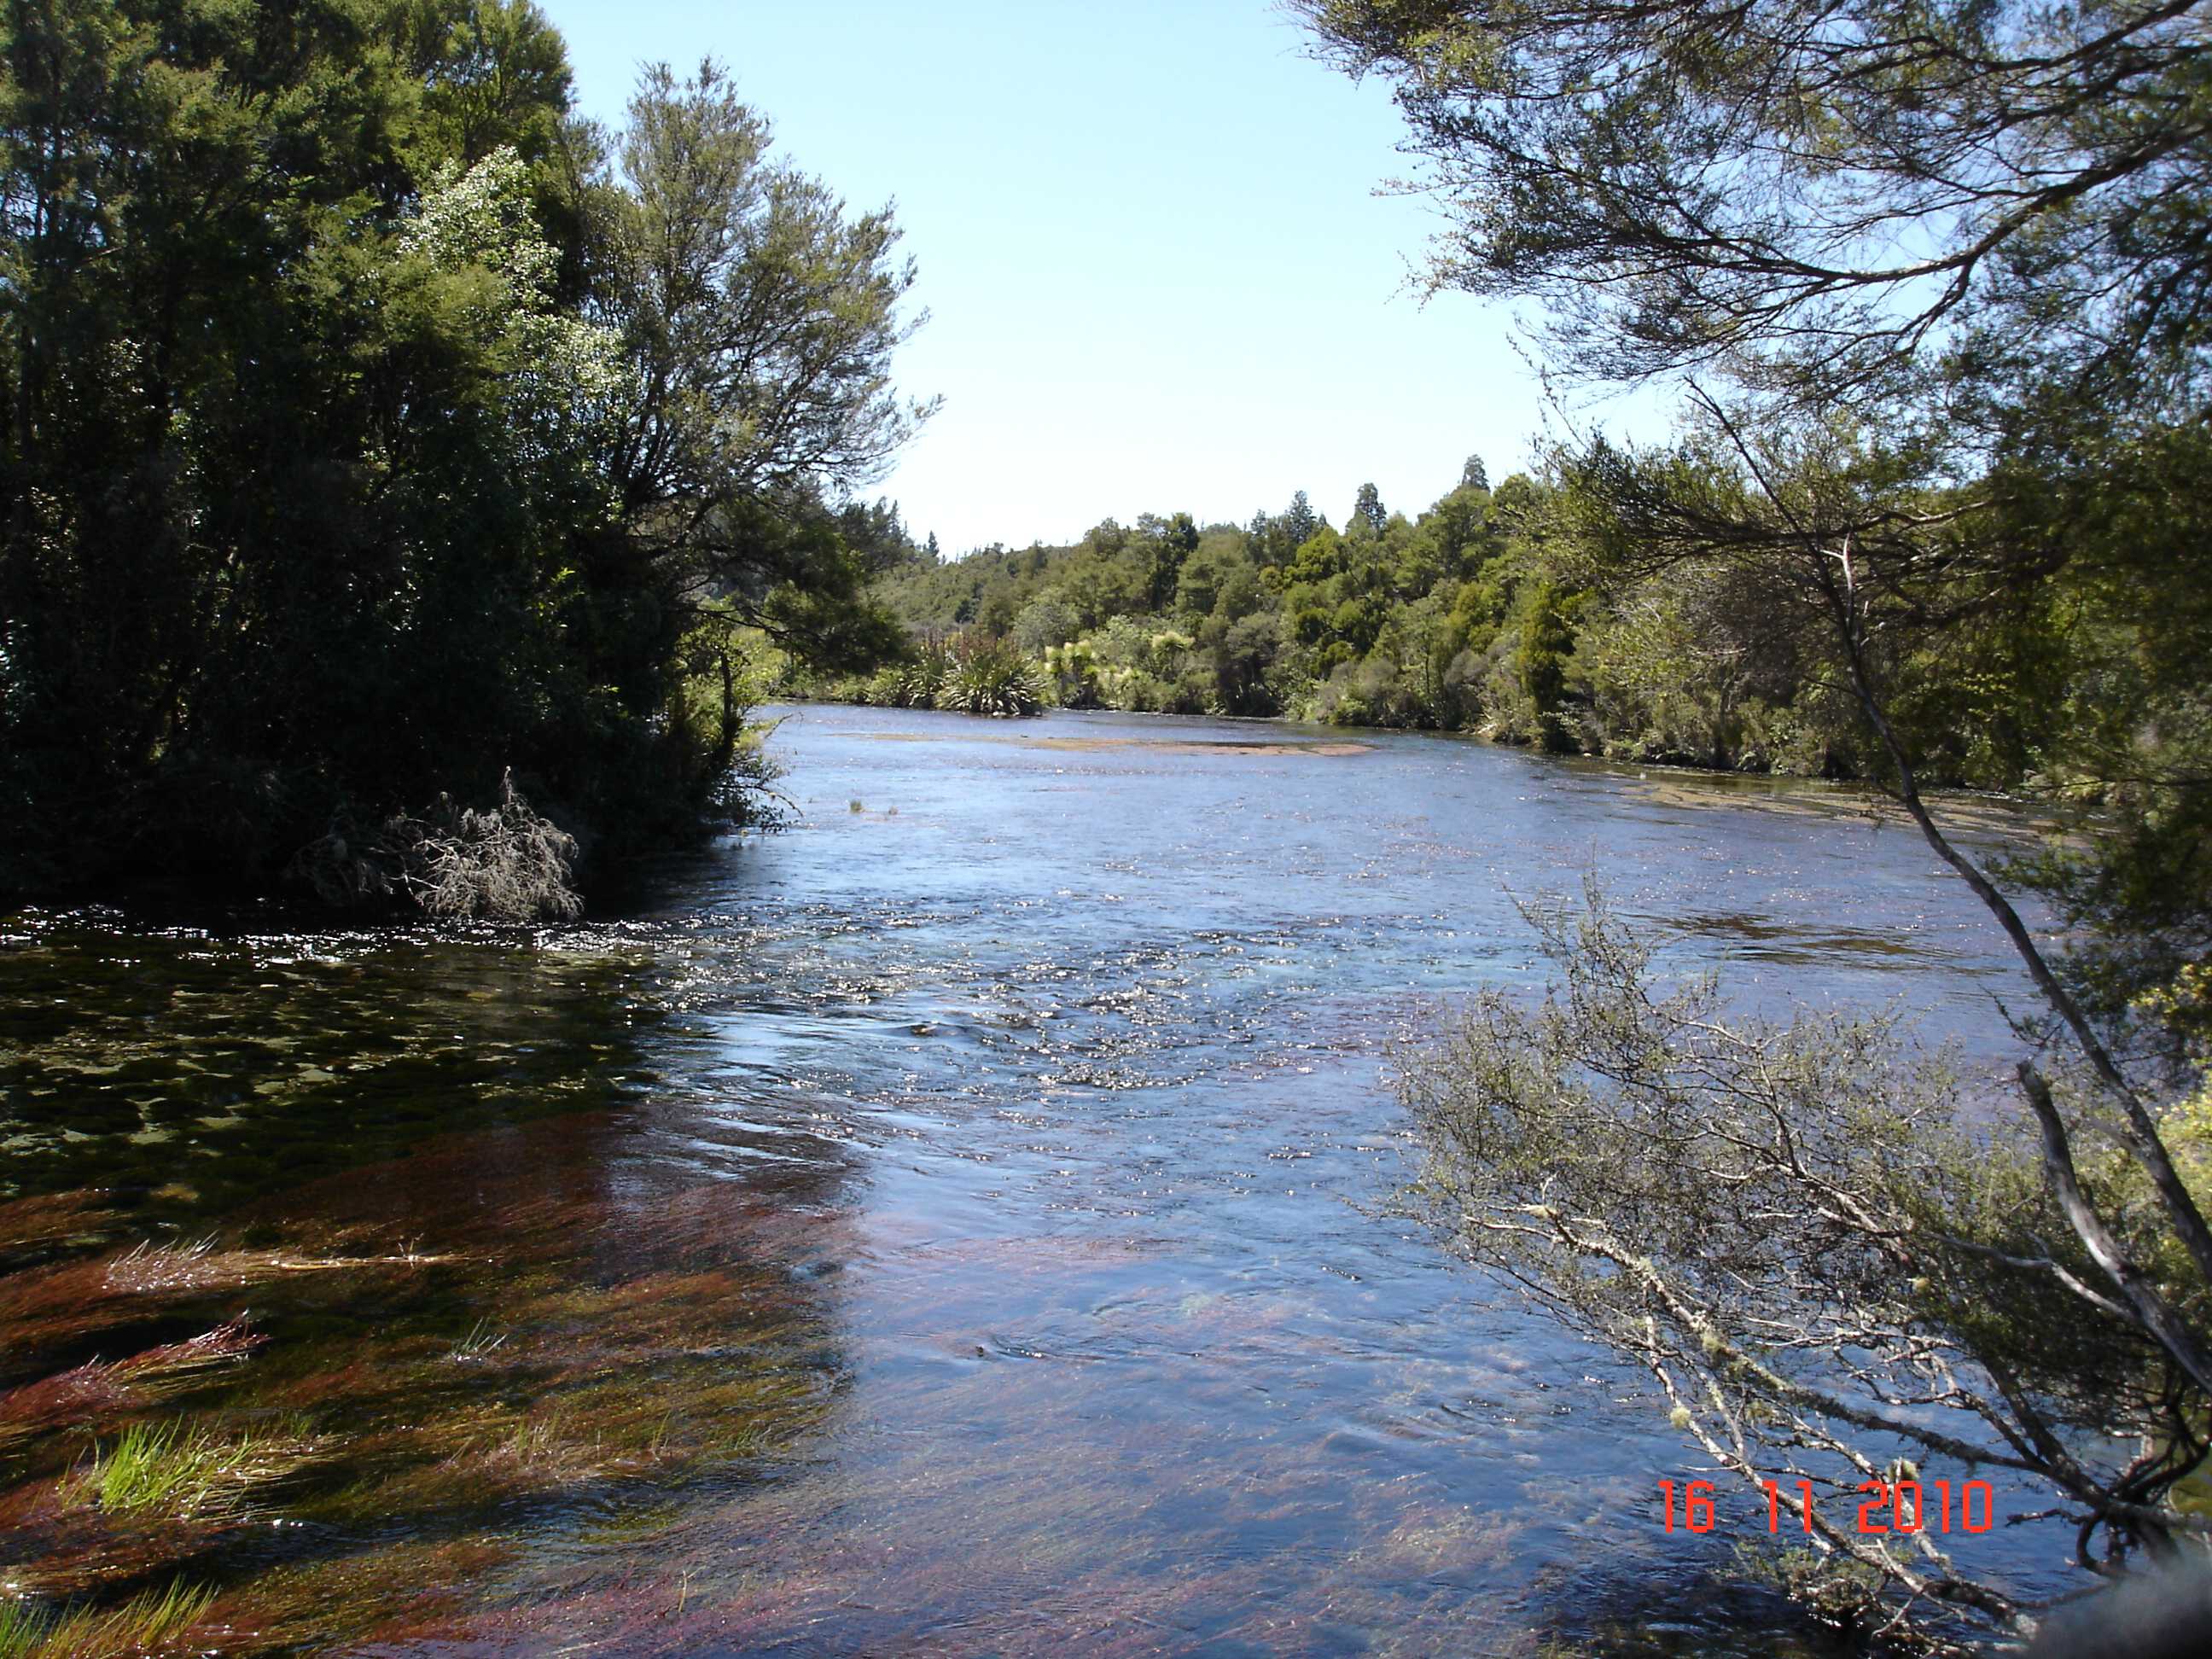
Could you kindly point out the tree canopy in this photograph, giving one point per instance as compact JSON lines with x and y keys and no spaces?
{"x":1936,"y":277}
{"x":381,"y":441}
{"x":1804,"y":192}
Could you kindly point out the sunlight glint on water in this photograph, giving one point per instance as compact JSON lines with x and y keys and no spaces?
{"x":958,"y":1231}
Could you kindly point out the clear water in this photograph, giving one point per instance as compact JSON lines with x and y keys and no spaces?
{"x":951,"y":1226}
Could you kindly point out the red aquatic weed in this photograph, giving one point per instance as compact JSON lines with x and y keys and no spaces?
{"x":36,"y":1223}
{"x":99,"y":1391}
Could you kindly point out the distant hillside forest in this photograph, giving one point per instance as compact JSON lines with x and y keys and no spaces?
{"x":1483,"y":613}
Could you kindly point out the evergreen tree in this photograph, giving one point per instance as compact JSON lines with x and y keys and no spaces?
{"x":1961,"y":485}
{"x":1368,"y":509}
{"x":373,"y":440}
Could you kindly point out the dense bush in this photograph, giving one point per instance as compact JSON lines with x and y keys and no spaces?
{"x":991,"y":677}
{"x":376,"y":432}
{"x":970,"y":674}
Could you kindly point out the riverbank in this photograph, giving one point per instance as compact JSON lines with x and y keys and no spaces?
{"x":1989,"y":813}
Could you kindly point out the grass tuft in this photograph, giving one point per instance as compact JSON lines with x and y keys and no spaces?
{"x":171,"y":1470}
{"x":163,"y":1469}
{"x":479,"y":1344}
{"x":22,"y":1628}
{"x":143,"y":1623}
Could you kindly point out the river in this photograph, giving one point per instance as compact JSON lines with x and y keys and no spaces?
{"x":955,"y":1224}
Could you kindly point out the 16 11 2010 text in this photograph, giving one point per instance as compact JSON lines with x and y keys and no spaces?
{"x":1895,"y":1506}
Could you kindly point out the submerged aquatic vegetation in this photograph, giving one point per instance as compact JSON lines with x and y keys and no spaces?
{"x":481,"y":1343}
{"x":185,"y":1471}
{"x":31,"y":1224}
{"x":146,"y":1623}
{"x":22,"y":1627}
{"x":434,"y":1359}
{"x":97,"y":1392}
{"x":164,"y":1468}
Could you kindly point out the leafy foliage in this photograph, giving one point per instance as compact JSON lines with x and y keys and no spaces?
{"x":1947,"y":264}
{"x":990,"y":677}
{"x":1820,"y":1253}
{"x":972,"y":674}
{"x":1519,"y":613}
{"x":377,"y":431}
{"x":1804,"y":194}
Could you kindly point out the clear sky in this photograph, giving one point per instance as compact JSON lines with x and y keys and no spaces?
{"x":1158,"y":276}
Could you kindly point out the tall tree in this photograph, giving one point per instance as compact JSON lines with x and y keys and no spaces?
{"x":370,"y":441}
{"x":1805,"y":194}
{"x":1950,"y":265}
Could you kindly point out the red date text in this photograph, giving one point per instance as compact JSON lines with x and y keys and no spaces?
{"x":1900,"y":1506}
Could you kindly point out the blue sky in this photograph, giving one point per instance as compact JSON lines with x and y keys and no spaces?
{"x":1158,"y":276}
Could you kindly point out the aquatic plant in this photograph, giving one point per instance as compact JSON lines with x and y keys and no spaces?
{"x":32,"y":1224}
{"x":100,"y":1391}
{"x":146,"y":1622}
{"x":165,"y":1468}
{"x":182,"y":1470}
{"x":22,"y":1628}
{"x":480,"y":1343}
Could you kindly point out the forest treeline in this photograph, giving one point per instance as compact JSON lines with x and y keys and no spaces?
{"x":390,"y":455}
{"x":1493,"y":611}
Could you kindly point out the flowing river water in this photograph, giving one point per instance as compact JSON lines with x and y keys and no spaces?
{"x":954,"y":1225}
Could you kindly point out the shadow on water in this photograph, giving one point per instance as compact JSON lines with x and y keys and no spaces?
{"x":948,"y":1227}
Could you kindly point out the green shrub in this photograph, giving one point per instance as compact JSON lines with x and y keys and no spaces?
{"x":991,"y":677}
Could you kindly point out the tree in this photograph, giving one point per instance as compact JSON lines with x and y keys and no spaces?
{"x":1541,"y":662}
{"x":1806,"y":195}
{"x":1951,"y":263}
{"x":1734,"y":1205}
{"x":1367,"y":508}
{"x":1043,"y":623}
{"x":1162,"y":545}
{"x":1475,"y":475}
{"x":376,"y":453}
{"x":494,"y":73}
{"x":1870,"y":562}
{"x":240,"y":405}
{"x":761,"y":322}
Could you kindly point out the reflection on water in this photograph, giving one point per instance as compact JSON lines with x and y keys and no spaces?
{"x":947,"y":1227}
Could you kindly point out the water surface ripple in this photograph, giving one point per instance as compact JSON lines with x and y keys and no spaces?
{"x":1023,"y":1113}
